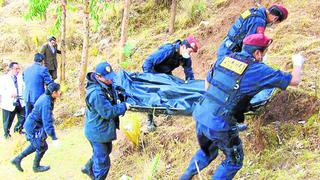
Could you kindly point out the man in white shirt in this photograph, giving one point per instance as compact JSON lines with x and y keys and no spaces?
{"x":12,"y":103}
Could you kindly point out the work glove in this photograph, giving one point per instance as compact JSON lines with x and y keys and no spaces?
{"x":55,"y":143}
{"x":128,"y":106}
{"x":297,"y":60}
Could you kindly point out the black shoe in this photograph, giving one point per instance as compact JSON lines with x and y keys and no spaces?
{"x":87,"y":172}
{"x":40,"y":168}
{"x":7,"y":136}
{"x":17,"y":162}
{"x":151,"y":127}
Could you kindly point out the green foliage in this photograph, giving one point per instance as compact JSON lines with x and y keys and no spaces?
{"x":128,"y":51}
{"x":154,"y":167}
{"x":94,"y":51}
{"x":190,"y":12}
{"x":2,"y":3}
{"x":71,"y":8}
{"x":197,"y":9}
{"x":37,"y":9}
{"x":36,"y":41}
{"x":97,"y":7}
{"x":55,"y":28}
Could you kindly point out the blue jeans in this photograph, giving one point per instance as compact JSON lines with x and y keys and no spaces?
{"x":210,"y":142}
{"x":101,"y":159}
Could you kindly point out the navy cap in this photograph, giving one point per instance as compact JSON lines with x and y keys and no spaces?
{"x":53,"y":87}
{"x":38,"y":57}
{"x":104,"y":69}
{"x":52,"y":38}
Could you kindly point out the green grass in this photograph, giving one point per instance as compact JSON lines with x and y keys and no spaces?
{"x":65,"y":161}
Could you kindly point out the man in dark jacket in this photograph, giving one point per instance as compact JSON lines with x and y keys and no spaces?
{"x":102,"y":119}
{"x":35,"y":78}
{"x":167,"y":58}
{"x":50,"y":51}
{"x":38,"y":125}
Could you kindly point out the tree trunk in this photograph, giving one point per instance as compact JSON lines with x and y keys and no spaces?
{"x":85,"y":48}
{"x":172,"y":16}
{"x":124,"y":27}
{"x":63,"y":41}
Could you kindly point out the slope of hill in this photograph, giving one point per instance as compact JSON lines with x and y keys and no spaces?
{"x":282,"y":141}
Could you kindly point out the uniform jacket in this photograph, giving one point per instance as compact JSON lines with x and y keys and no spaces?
{"x":229,"y":91}
{"x":166,"y":59}
{"x":7,"y":88}
{"x":250,"y":22}
{"x":102,"y":111}
{"x":51,"y":57}
{"x":35,"y":77}
{"x":40,"y":120}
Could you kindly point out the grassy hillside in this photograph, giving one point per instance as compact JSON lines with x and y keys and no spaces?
{"x":282,"y":141}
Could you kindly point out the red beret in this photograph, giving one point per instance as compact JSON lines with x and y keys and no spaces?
{"x":257,"y":40}
{"x":193,"y":43}
{"x":284,"y":12}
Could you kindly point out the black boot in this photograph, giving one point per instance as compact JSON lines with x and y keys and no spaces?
{"x":151,"y":125}
{"x":17,"y":160}
{"x":36,"y":163}
{"x":87,"y":169}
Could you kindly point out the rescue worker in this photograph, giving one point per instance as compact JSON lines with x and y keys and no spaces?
{"x":167,"y":58}
{"x":236,"y":79}
{"x":38,"y":126}
{"x":101,"y":119}
{"x":35,"y":78}
{"x":50,"y":51}
{"x":252,"y":21}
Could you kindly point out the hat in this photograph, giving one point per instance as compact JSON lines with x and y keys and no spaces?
{"x":280,"y":11}
{"x":194,"y":44}
{"x":53,"y":87}
{"x":38,"y":57}
{"x":104,"y":69}
{"x":52,"y":38}
{"x":259,"y":40}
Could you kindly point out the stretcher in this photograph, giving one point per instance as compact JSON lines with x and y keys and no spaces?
{"x":167,"y":94}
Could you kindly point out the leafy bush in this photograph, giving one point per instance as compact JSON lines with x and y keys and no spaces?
{"x":2,"y":3}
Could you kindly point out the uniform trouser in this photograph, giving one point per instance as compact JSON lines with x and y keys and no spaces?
{"x":101,"y":160}
{"x":210,"y":142}
{"x":28,"y":108}
{"x":38,"y":145}
{"x":8,"y":117}
{"x":53,"y":74}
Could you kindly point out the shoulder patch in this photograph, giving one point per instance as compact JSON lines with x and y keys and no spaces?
{"x":246,"y":14}
{"x":233,"y":65}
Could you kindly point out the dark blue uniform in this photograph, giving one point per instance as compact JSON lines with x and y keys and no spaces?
{"x":102,"y":119}
{"x":166,"y":59}
{"x":39,"y":124}
{"x":250,"y":22}
{"x":35,"y":78}
{"x":233,"y":82}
